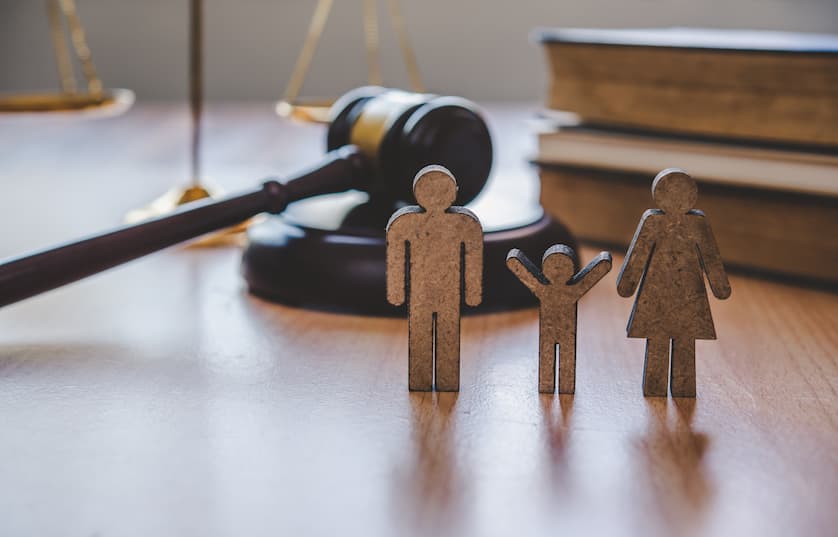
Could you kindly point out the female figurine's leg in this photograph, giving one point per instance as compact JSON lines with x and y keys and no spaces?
{"x":682,"y":380}
{"x":656,"y":367}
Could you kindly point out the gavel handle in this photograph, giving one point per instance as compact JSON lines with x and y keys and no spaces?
{"x":31,"y":274}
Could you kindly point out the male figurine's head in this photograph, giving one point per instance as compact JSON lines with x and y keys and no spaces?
{"x":434,"y":188}
{"x":674,"y":191}
{"x":558,"y":263}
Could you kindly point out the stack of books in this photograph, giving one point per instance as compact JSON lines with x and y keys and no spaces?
{"x":752,"y":116}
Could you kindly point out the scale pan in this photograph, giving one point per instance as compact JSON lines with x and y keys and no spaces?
{"x":308,"y":110}
{"x":110,"y":103}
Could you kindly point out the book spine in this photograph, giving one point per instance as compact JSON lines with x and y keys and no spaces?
{"x":705,"y":92}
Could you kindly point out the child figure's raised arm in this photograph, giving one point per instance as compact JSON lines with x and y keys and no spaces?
{"x":592,"y":273}
{"x":525,"y":270}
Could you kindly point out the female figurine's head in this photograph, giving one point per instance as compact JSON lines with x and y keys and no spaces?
{"x":558,"y":263}
{"x":434,"y":188}
{"x":674,"y":191}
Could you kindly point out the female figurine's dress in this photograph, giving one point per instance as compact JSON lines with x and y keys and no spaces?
{"x":671,"y":298}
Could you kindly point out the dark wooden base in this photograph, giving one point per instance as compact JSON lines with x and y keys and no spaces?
{"x":329,"y":253}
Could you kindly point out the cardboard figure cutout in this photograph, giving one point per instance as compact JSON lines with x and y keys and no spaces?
{"x":431,"y":249}
{"x":558,"y":291}
{"x":672,"y":249}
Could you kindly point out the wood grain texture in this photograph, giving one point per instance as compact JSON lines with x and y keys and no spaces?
{"x":161,"y":399}
{"x":558,"y":291}
{"x":435,"y":256}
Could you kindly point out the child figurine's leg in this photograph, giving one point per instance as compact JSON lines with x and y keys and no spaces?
{"x":546,"y":362}
{"x":656,"y":367}
{"x":448,"y":352}
{"x":420,"y":353}
{"x":682,"y":377}
{"x":567,"y":364}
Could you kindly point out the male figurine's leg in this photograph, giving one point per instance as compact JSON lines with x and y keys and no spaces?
{"x":448,"y":351}
{"x":656,"y":367}
{"x":546,"y":362}
{"x":682,"y":379}
{"x":567,"y":364}
{"x":420,"y":352}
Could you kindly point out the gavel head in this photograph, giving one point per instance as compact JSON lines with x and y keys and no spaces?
{"x":400,"y":133}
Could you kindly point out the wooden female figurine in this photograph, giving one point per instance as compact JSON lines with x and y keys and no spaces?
{"x":671,"y":251}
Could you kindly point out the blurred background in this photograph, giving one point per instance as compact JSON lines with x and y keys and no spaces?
{"x":476,"y":48}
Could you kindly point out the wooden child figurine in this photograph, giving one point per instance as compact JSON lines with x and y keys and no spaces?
{"x":558,"y":290}
{"x":671,"y":251}
{"x":441,"y":246}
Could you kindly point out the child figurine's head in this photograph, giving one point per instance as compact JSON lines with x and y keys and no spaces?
{"x":434,"y":188}
{"x":559,"y":263}
{"x":674,"y":191}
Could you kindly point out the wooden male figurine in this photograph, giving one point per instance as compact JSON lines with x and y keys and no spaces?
{"x":431,"y":248}
{"x":558,"y":290}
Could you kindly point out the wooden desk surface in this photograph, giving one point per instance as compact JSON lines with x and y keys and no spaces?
{"x":161,"y":399}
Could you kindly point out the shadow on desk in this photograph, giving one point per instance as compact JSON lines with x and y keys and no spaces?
{"x":556,"y":413}
{"x":670,"y":476}
{"x":430,"y":487}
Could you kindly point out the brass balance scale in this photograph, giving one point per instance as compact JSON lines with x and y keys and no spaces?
{"x":92,"y":100}
{"x":96,"y":101}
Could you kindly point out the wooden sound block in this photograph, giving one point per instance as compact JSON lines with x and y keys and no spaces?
{"x":329,"y":253}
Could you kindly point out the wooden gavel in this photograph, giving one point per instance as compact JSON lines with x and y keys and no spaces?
{"x":377,"y":140}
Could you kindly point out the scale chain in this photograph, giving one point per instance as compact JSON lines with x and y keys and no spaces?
{"x":79,"y":40}
{"x":372,"y":41}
